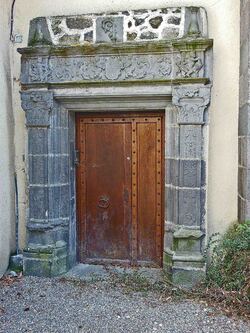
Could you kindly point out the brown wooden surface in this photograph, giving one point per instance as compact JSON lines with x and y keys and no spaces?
{"x":119,"y":188}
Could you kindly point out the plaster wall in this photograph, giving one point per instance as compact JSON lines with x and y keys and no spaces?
{"x":7,"y":207}
{"x":223,"y":18}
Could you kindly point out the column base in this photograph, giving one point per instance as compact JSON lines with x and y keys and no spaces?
{"x":184,"y":270}
{"x":46,"y":261}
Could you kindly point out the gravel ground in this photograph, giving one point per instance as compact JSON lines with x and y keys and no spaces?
{"x":42,"y":305}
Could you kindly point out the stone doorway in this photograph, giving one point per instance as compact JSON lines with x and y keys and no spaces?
{"x":62,"y":78}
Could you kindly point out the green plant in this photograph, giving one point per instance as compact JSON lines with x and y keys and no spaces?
{"x":228,"y":266}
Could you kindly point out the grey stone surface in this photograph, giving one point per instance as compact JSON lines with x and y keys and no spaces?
{"x":109,"y":29}
{"x":79,"y":22}
{"x":38,"y":169}
{"x":16,"y":262}
{"x":190,"y":141}
{"x":46,"y":262}
{"x":148,"y":35}
{"x":174,"y":20}
{"x":122,"y":67}
{"x":58,"y":169}
{"x":190,"y":173}
{"x":59,"y":201}
{"x":156,"y":22}
{"x":189,"y":207}
{"x":38,"y":202}
{"x":192,"y":101}
{"x":169,"y":33}
{"x":69,"y":40}
{"x":172,"y":171}
{"x":37,"y":140}
{"x":39,"y":32}
{"x":66,"y":26}
{"x":37,"y":105}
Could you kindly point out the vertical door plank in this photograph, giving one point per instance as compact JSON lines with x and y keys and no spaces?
{"x":108,"y":222}
{"x":147,"y":187}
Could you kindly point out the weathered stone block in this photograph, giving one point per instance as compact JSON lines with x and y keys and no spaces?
{"x":59,"y":116}
{"x":58,"y":169}
{"x":189,"y":207}
{"x":190,"y":173}
{"x":148,"y":35}
{"x":170,"y":33}
{"x":244,"y":120}
{"x":39,"y":33}
{"x":171,"y":204}
{"x":172,"y":171}
{"x":244,"y":57}
{"x":38,"y":202}
{"x":58,"y":141}
{"x":79,"y":22}
{"x":69,"y":39}
{"x":16,"y":263}
{"x":59,"y":200}
{"x":244,"y":182}
{"x":244,"y":89}
{"x":174,"y":20}
{"x":190,"y":141}
{"x":172,"y":142}
{"x":47,"y":232}
{"x":38,"y":169}
{"x":187,"y":278}
{"x":109,"y":29}
{"x":155,"y":22}
{"x":46,"y":262}
{"x":37,"y":140}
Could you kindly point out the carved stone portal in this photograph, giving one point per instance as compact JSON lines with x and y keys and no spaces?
{"x":62,"y":74}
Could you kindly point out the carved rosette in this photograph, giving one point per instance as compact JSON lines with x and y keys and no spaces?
{"x":191,"y":102}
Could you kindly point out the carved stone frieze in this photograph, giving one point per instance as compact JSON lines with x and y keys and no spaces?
{"x":191,"y":102}
{"x":189,"y":64}
{"x":99,"y":68}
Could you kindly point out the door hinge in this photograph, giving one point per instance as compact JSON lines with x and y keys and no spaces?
{"x":76,"y":157}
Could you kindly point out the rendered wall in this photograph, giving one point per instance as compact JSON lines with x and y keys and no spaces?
{"x":7,"y":207}
{"x":223,"y":18}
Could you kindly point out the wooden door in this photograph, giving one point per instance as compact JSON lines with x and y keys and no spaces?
{"x":119,"y":188}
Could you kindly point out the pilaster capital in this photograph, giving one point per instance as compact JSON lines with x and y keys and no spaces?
{"x":37,"y":105}
{"x":191,"y":101}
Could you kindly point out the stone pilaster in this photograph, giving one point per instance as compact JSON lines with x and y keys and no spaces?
{"x":186,"y":183}
{"x":48,"y":188}
{"x":244,"y":116}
